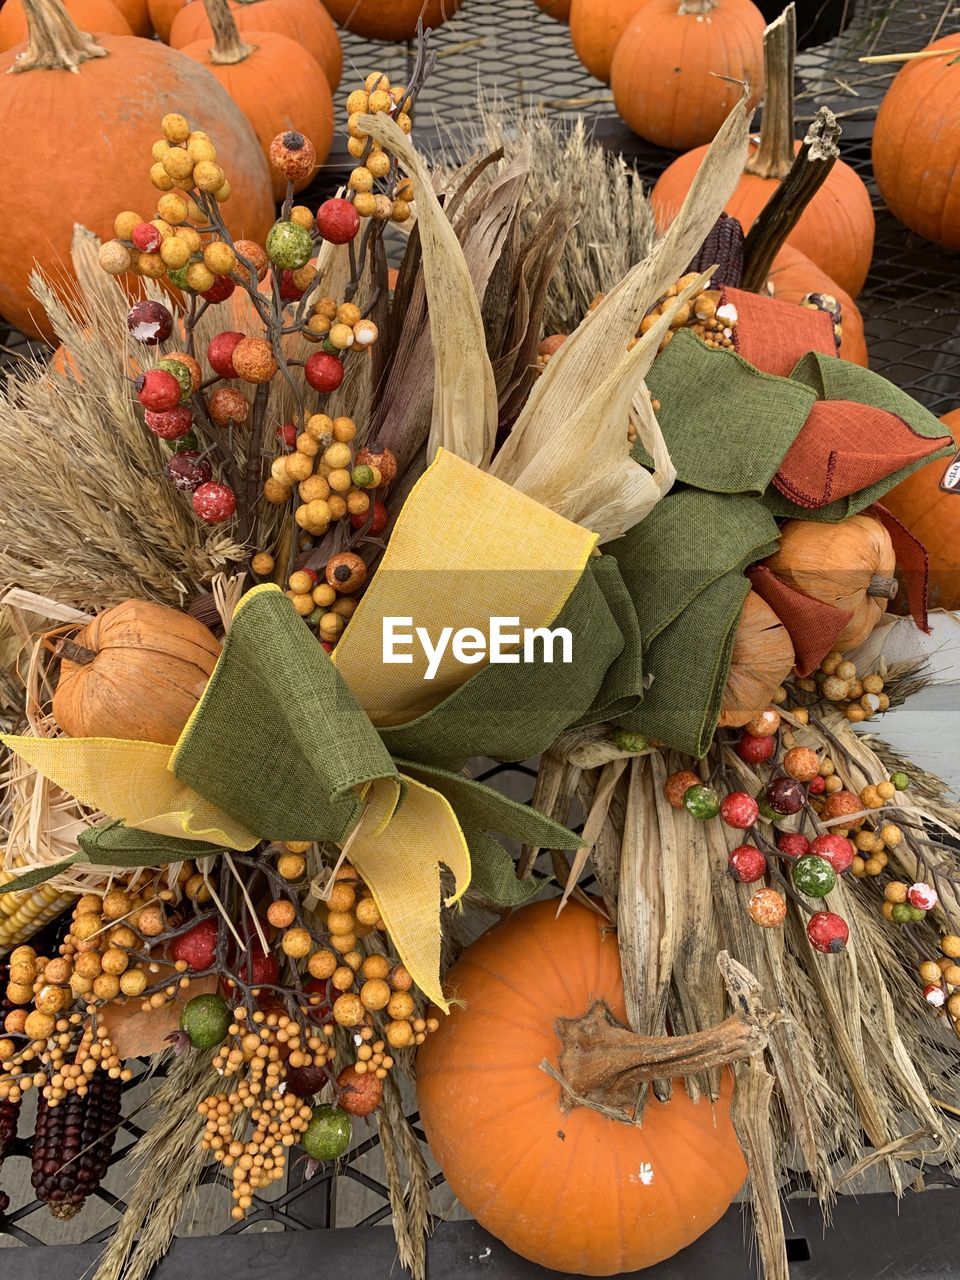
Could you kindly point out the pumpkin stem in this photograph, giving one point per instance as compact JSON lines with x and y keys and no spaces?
{"x":883,"y":588}
{"x":228,"y":46}
{"x":810,"y":169}
{"x":604,"y":1065}
{"x":74,"y":652}
{"x":54,"y":43}
{"x":774,"y":156}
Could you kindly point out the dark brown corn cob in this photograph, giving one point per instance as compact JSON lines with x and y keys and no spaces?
{"x":72,"y":1145}
{"x":9,"y":1115}
{"x":723,"y":246}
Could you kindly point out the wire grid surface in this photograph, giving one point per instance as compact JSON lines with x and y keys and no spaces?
{"x":911,"y":307}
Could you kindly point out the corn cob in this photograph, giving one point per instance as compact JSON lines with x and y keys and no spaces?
{"x":722,"y":248}
{"x":72,"y":1145}
{"x":22,"y":914}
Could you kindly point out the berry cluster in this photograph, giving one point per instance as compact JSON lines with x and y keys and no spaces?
{"x":941,"y":977}
{"x":378,"y":191}
{"x":837,"y":681}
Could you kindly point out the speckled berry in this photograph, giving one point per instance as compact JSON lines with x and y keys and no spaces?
{"x":746,"y":864}
{"x":221,"y":289}
{"x":254,"y":360}
{"x":170,"y":424}
{"x":214,"y":503}
{"x":767,"y":908}
{"x":755,"y":749}
{"x":146,"y":237}
{"x":837,"y":850}
{"x":701,"y":802}
{"x":739,"y":810}
{"x":338,"y":221}
{"x":220,"y":353}
{"x":187,"y":471}
{"x":226,"y":405}
{"x":900,"y":780}
{"x":764,"y":724}
{"x":785,"y":796}
{"x":793,"y":844}
{"x":323,"y":372}
{"x":816,"y":786}
{"x":801,"y":763}
{"x":157,"y":390}
{"x":293,"y":155}
{"x":678,"y":784}
{"x":922,"y":896}
{"x":827,"y":932}
{"x":289,"y":245}
{"x":623,"y":739}
{"x":813,"y":876}
{"x":383,"y":459}
{"x":149,"y":322}
{"x":182,"y":373}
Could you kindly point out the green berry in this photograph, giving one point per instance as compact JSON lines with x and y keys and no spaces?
{"x":813,"y":876}
{"x":178,"y":276}
{"x":289,"y":246}
{"x":900,"y":780}
{"x":902,"y":913}
{"x":623,"y":739}
{"x":181,"y":373}
{"x":206,"y":1020}
{"x":701,"y":802}
{"x":328,"y":1134}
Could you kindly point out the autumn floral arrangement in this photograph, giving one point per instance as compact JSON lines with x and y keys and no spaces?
{"x":254,"y":846}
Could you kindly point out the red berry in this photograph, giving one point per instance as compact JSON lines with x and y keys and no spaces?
{"x":337,"y":220}
{"x":323,"y":372}
{"x":304,"y":1082}
{"x":756,"y":750}
{"x":214,"y":503}
{"x":816,"y":786}
{"x":379,"y":522}
{"x":187,"y":471}
{"x":793,"y":844}
{"x":170,"y":424}
{"x":827,"y":932}
{"x":220,"y":353}
{"x":746,"y":864}
{"x":922,"y":896}
{"x":197,"y":947}
{"x":837,"y":850}
{"x":785,"y":795}
{"x":319,"y":1013}
{"x":327,"y":645}
{"x":287,"y":434}
{"x":146,"y":237}
{"x":149,"y":322}
{"x":288,"y":290}
{"x":934,"y":994}
{"x":158,"y":390}
{"x":259,"y":966}
{"x":739,"y":810}
{"x":220,"y":290}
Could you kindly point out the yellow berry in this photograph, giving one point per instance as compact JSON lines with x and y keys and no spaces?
{"x":160,"y":178}
{"x":201,"y":149}
{"x":379,"y":101}
{"x":220,"y":258}
{"x":208,"y":176}
{"x":262,"y":563}
{"x":175,"y":127}
{"x":175,"y":252}
{"x":365,"y":204}
{"x":361,"y":179}
{"x":358,"y":102}
{"x":199,"y":277}
{"x":172,"y":207}
{"x":378,"y":162}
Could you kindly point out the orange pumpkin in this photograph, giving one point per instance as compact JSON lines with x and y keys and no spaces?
{"x":65,"y":109}
{"x":390,"y":19}
{"x":559,"y":9}
{"x":849,"y":564}
{"x":672,"y":69}
{"x":763,"y":657}
{"x":274,"y":82}
{"x":162,"y":14}
{"x":305,"y":21}
{"x":136,"y":671}
{"x":595,"y":29}
{"x":89,"y":15}
{"x":934,"y":517}
{"x":137,"y":14}
{"x":916,"y":145}
{"x":565,"y":1186}
{"x":793,"y":276}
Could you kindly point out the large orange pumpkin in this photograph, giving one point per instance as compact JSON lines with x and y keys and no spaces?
{"x":673,"y":66}
{"x":305,"y":21}
{"x":89,"y":15}
{"x":274,"y":82}
{"x":595,"y":29}
{"x":793,"y":276}
{"x":934,"y":517}
{"x":763,"y":657}
{"x":567,"y":1187}
{"x":67,"y":134}
{"x":136,"y":671}
{"x":390,"y":19}
{"x":916,"y":145}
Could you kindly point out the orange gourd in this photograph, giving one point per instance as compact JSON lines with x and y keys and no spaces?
{"x":793,"y":276}
{"x":273,"y":80}
{"x":137,"y":80}
{"x":559,"y":9}
{"x":933,"y":516}
{"x":916,"y":145}
{"x":763,"y":657}
{"x":89,"y":15}
{"x":836,"y":229}
{"x":136,"y":671}
{"x":673,"y":66}
{"x":595,"y":29}
{"x":305,"y":21}
{"x":564,"y":1185}
{"x":849,"y":564}
{"x":390,"y":19}
{"x":162,"y":14}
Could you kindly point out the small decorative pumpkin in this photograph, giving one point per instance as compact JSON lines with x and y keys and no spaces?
{"x":595,"y":29}
{"x":677,"y":71}
{"x":60,"y":83}
{"x":836,"y":229}
{"x":136,"y":671}
{"x":849,"y":564}
{"x":603,"y":1196}
{"x":933,"y":516}
{"x":559,"y":9}
{"x":274,"y":82}
{"x":916,"y":144}
{"x":305,"y":21}
{"x":762,"y":659}
{"x":793,"y":277}
{"x":390,"y":19}
{"x":89,"y":15}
